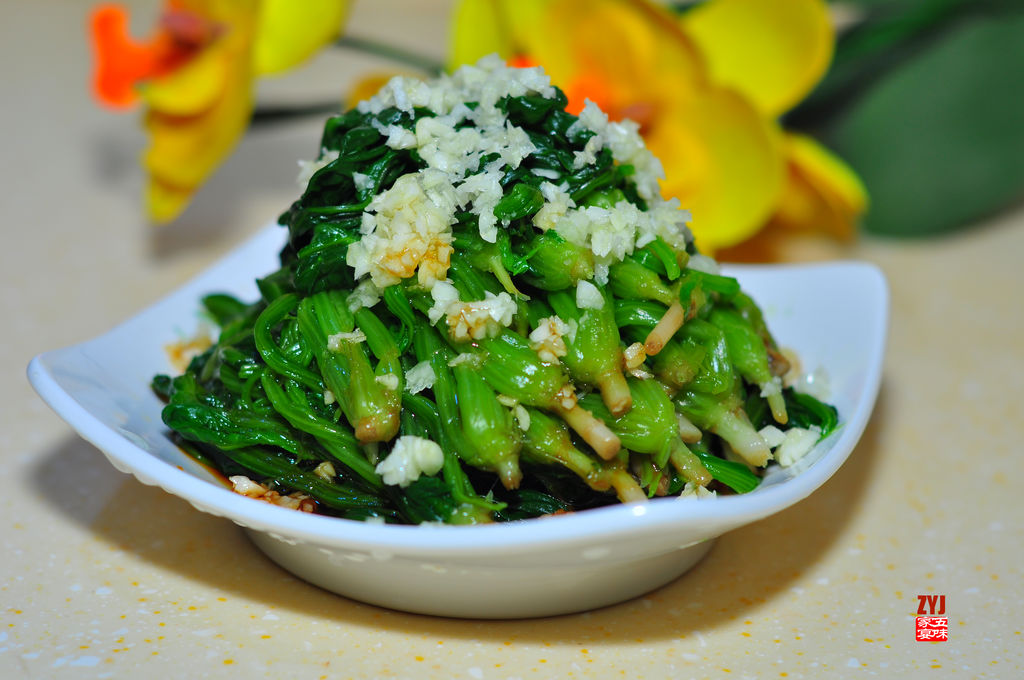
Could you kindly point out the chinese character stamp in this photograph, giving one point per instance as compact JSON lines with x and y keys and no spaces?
{"x":929,"y":624}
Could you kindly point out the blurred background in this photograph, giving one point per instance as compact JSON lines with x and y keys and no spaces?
{"x":774,"y":121}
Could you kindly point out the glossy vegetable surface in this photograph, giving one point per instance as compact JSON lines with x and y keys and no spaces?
{"x":555,"y":376}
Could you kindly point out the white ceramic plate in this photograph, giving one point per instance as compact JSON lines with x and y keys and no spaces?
{"x":834,"y":315}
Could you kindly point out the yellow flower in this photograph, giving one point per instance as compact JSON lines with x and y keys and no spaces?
{"x":195,"y":77}
{"x":775,"y":53}
{"x":707,"y":89}
{"x":822,"y":194}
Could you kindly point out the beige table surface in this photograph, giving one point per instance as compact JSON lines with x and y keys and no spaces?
{"x":103,"y":577}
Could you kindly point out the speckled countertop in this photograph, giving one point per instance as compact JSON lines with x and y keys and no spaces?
{"x":103,"y":577}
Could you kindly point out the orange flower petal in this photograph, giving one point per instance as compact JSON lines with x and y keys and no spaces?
{"x":121,"y":62}
{"x":634,"y":47}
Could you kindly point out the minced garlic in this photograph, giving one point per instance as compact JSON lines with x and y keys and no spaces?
{"x":588,"y":296}
{"x":547,"y":339}
{"x":475,"y":319}
{"x":692,"y":490}
{"x":410,"y":457}
{"x":309,"y":168}
{"x":407,"y":230}
{"x":481,"y":318}
{"x":420,"y":377}
{"x":454,"y":142}
{"x":294,"y":501}
{"x":334,"y":342}
{"x":388,"y":380}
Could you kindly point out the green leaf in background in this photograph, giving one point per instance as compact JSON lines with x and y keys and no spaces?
{"x":938,"y":138}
